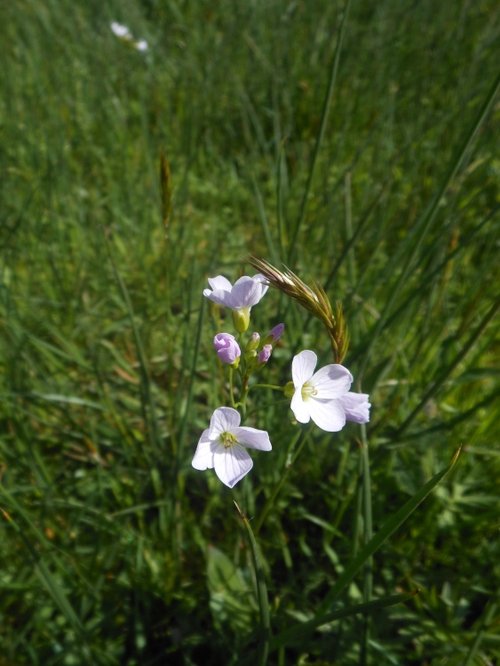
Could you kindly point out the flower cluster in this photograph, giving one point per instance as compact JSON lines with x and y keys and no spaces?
{"x":323,"y":396}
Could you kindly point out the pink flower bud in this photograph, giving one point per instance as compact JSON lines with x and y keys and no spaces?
{"x":253,"y":343}
{"x":265,"y":354}
{"x":276,"y":332}
{"x":228,"y":350}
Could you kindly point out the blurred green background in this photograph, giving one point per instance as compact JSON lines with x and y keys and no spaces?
{"x":354,"y":143}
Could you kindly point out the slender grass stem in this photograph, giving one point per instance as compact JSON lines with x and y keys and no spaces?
{"x":320,"y":136}
{"x":427,"y":218}
{"x":291,"y":456}
{"x":367,"y":537}
{"x":261,"y":589}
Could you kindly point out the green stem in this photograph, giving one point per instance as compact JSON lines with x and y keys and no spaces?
{"x":291,"y":456}
{"x":231,"y":386}
{"x":261,"y":590}
{"x":367,"y":536}
{"x":273,"y":387}
{"x":320,"y":136}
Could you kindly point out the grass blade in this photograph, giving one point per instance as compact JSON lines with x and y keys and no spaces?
{"x":387,"y":530}
{"x":261,"y":591}
{"x":300,"y":632}
{"x":319,"y":138}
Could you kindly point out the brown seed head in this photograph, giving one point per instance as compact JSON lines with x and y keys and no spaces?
{"x":314,"y":299}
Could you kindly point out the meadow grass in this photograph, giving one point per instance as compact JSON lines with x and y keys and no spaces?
{"x":353,"y":142}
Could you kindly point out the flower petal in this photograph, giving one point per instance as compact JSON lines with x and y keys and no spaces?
{"x":328,"y":415}
{"x":253,"y":438}
{"x":220,"y":291}
{"x":332,"y":381}
{"x":204,"y":455}
{"x":231,"y":465}
{"x":356,"y":406}
{"x":218,"y":296}
{"x":224,"y":419}
{"x":303,"y":367}
{"x":220,"y":283}
{"x":299,"y":407}
{"x":245,"y":293}
{"x":264,"y":284}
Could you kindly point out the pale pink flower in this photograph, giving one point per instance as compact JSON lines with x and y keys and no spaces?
{"x":245,"y":293}
{"x":324,"y":396}
{"x":223,"y":446}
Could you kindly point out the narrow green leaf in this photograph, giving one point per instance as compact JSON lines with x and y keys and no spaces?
{"x":387,"y":530}
{"x":297,"y":633}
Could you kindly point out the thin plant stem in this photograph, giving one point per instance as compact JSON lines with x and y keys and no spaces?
{"x":291,"y":456}
{"x":273,"y":387}
{"x":367,"y":537}
{"x":231,"y":386}
{"x":261,"y":590}
{"x":320,"y":136}
{"x":427,"y":218}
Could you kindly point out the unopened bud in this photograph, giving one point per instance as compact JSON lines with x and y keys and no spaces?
{"x":277,"y":331}
{"x":265,"y":354}
{"x":275,"y":334}
{"x":228,"y":350}
{"x":253,"y":343}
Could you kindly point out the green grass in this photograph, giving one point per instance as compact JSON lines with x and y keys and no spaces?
{"x":356,"y":147}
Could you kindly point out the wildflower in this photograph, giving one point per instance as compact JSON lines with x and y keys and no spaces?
{"x":324,"y":396}
{"x":228,"y":350}
{"x":141,"y":45}
{"x":222,"y":446}
{"x":265,"y":354}
{"x":240,"y":297}
{"x":120,"y":30}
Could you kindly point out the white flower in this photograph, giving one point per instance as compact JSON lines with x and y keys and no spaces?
{"x":246,"y":292}
{"x":324,"y":396}
{"x":141,"y":45}
{"x":221,"y":446}
{"x":120,"y":30}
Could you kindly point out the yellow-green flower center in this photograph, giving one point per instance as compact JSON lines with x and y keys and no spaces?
{"x":308,"y":391}
{"x":228,"y":439}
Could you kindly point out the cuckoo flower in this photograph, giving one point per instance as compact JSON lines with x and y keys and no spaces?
{"x":324,"y":396}
{"x":228,"y":350}
{"x":240,"y":297}
{"x":120,"y":30}
{"x":223,"y":445}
